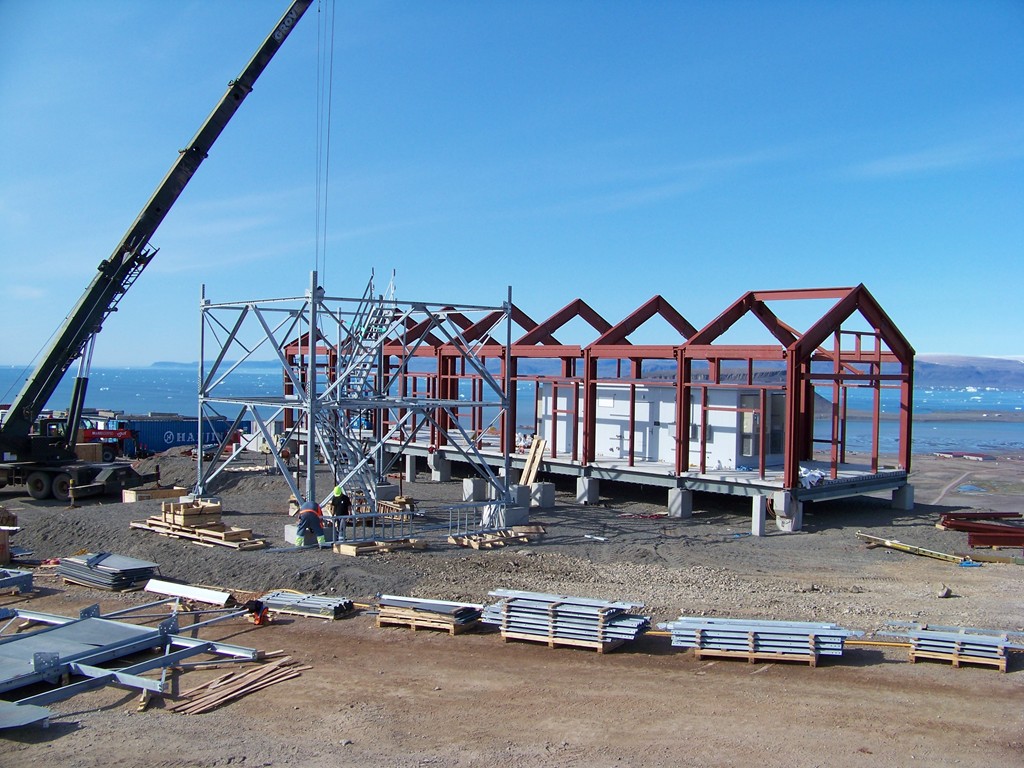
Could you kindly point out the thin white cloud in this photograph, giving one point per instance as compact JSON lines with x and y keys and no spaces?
{"x":25,"y":292}
{"x":943,"y":158}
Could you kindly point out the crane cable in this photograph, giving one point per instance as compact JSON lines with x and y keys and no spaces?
{"x":324,"y":96}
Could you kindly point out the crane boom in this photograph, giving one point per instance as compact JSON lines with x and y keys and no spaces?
{"x":116,"y":274}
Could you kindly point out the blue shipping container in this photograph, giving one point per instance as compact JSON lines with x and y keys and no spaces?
{"x":160,"y":434}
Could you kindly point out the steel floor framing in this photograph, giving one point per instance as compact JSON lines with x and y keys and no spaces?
{"x":853,"y":480}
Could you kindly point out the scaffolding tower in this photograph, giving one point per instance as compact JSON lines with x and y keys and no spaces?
{"x":341,"y":398}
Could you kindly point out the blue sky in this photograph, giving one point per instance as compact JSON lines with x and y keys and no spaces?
{"x":603,"y":150}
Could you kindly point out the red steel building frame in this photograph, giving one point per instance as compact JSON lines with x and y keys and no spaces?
{"x":824,"y":357}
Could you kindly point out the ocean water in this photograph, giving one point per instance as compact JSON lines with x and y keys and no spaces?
{"x":148,"y":390}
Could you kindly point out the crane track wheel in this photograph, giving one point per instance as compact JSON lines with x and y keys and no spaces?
{"x":62,"y":486}
{"x":39,"y":485}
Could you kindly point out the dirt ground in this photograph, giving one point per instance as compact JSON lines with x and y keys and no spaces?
{"x":397,"y":697}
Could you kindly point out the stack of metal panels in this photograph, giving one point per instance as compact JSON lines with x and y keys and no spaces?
{"x":106,"y":571}
{"x":754,"y":638}
{"x":459,"y":613}
{"x":318,"y":606}
{"x":11,"y":578}
{"x":957,"y":644}
{"x":559,"y":619}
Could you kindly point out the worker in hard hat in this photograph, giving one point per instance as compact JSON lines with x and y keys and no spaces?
{"x":310,"y":519}
{"x":341,"y":503}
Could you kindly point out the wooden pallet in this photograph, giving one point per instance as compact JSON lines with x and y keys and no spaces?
{"x":752,"y":655}
{"x":533,"y":459}
{"x":377,"y":547}
{"x":755,"y":656}
{"x":956,"y":659}
{"x":489,"y":540}
{"x":394,"y":511}
{"x":554,"y":642}
{"x":407,"y":617}
{"x":218,"y":535}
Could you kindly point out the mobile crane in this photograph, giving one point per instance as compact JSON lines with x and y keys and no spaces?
{"x":44,"y":460}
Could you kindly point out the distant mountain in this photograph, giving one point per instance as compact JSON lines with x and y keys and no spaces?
{"x":964,"y":371}
{"x":930,"y":370}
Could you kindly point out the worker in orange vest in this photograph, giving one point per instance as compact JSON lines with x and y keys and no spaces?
{"x":310,"y":519}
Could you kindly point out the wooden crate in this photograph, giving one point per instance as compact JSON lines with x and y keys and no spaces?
{"x":91,"y":452}
{"x":132,"y":495}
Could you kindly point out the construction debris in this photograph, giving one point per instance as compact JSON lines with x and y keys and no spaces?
{"x":301,"y":604}
{"x":875,"y":541}
{"x":103,"y":570}
{"x":757,"y":640}
{"x":452,"y":617}
{"x":235,"y":685}
{"x":983,"y":531}
{"x":561,"y":620}
{"x":957,"y":645}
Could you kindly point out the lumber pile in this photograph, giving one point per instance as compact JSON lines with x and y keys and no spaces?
{"x":986,"y":529}
{"x":198,"y":521}
{"x":451,"y":617}
{"x":357,"y":548}
{"x":235,"y":685}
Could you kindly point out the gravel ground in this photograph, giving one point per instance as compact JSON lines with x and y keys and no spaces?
{"x":706,"y":565}
{"x":391,"y":696}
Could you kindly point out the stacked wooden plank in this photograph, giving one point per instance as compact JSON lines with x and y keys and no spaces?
{"x":192,"y":514}
{"x":301,"y":604}
{"x":235,"y":685}
{"x":758,"y":640}
{"x":958,"y":645}
{"x":104,"y":570}
{"x":561,"y":620}
{"x":132,"y":495}
{"x":452,"y":617}
{"x":357,"y":548}
{"x":198,"y":521}
{"x":987,"y":529}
